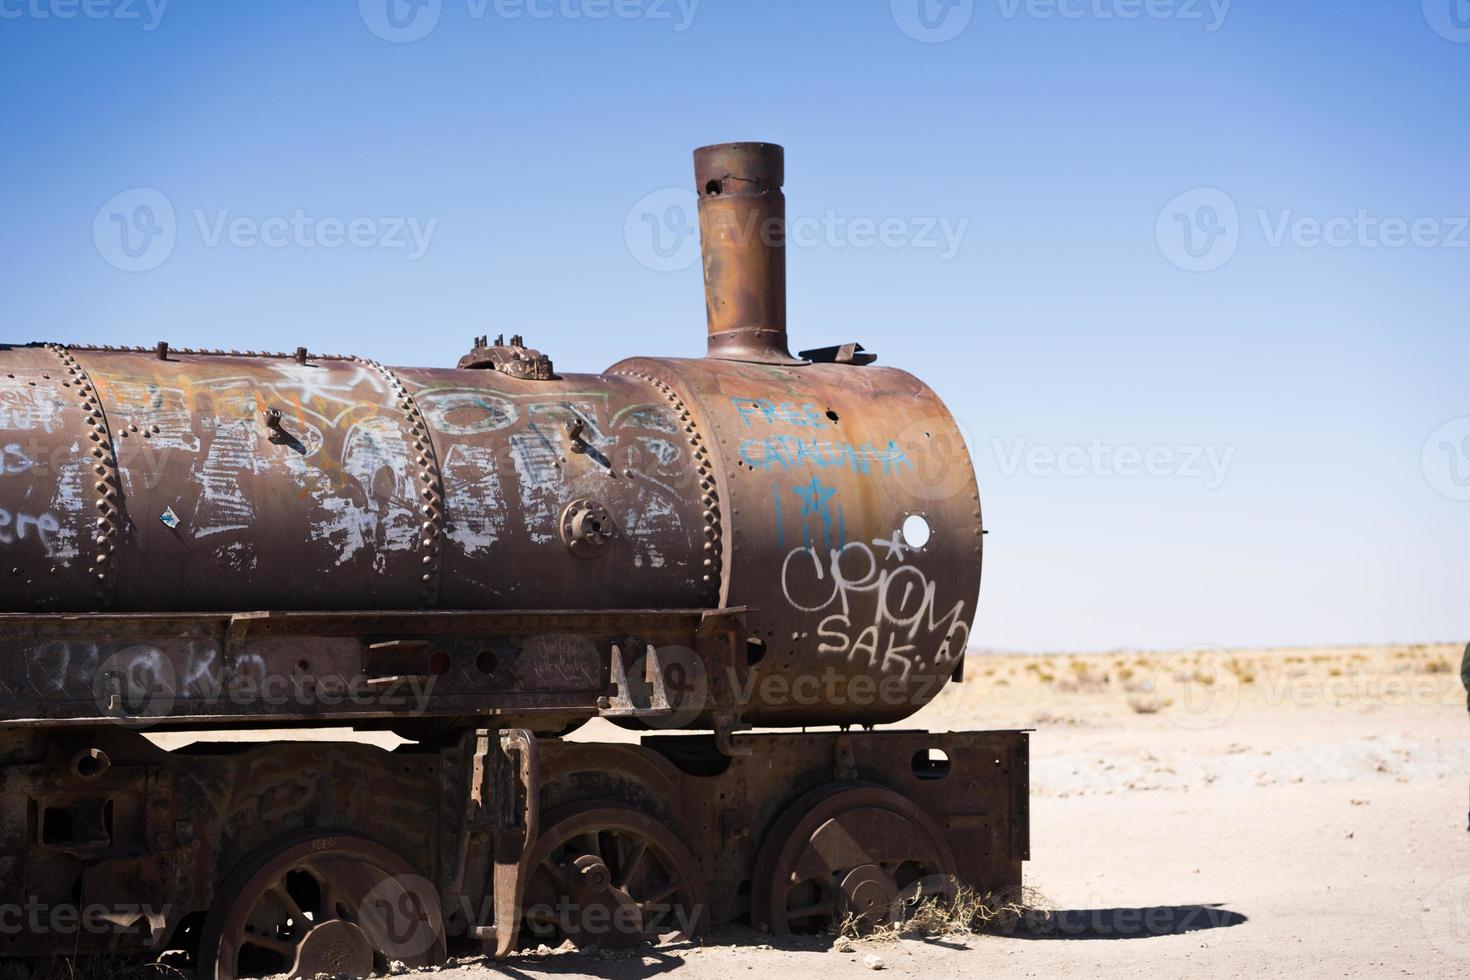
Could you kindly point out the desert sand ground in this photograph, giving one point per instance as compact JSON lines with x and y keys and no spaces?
{"x":1204,"y":813}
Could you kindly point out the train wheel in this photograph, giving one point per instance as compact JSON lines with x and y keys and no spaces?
{"x":321,"y":903}
{"x":609,"y":876}
{"x":855,"y":856}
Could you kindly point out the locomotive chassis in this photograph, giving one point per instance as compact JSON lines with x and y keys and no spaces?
{"x":155,"y":837}
{"x":489,"y":826}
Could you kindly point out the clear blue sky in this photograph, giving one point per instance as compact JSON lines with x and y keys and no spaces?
{"x":1067,"y":315}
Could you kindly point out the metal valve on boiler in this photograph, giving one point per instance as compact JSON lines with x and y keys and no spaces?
{"x":586,"y":527}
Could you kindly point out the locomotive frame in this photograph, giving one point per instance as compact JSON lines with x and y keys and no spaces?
{"x":490,"y":826}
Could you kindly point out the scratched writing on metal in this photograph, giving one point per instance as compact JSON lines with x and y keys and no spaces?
{"x":563,"y":662}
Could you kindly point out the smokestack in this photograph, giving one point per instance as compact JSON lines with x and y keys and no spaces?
{"x":742,"y":236}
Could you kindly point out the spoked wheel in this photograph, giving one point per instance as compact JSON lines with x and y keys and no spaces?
{"x":609,"y":876}
{"x":322,"y":903}
{"x":858,"y":855}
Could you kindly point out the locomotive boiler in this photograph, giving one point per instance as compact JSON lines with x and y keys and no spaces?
{"x":483,"y":558}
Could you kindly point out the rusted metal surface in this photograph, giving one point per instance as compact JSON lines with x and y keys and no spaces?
{"x":326,"y":903}
{"x":544,"y":669}
{"x":850,"y":622}
{"x":728,"y":810}
{"x":846,"y":853}
{"x":515,"y":804}
{"x":171,"y":481}
{"x":244,"y":483}
{"x":514,"y":359}
{"x":742,"y":234}
{"x":610,"y":876}
{"x":478,"y":558}
{"x":198,"y":843}
{"x":150,"y":839}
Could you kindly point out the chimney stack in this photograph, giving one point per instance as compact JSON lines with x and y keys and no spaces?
{"x":742,"y":237}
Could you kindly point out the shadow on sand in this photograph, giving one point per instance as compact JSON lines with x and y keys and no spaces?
{"x":1052,"y":924}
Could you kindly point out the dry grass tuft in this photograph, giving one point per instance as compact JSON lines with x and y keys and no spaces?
{"x":967,"y":914}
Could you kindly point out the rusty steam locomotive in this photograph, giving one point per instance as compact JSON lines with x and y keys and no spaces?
{"x":480,"y":560}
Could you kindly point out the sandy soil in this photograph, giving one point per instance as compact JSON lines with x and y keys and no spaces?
{"x":1202,"y":813}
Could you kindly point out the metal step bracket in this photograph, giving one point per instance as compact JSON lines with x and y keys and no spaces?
{"x":622,"y":703}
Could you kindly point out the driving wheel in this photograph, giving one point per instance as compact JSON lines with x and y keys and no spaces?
{"x":847,"y":855}
{"x":608,"y":876}
{"x":321,"y":903}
